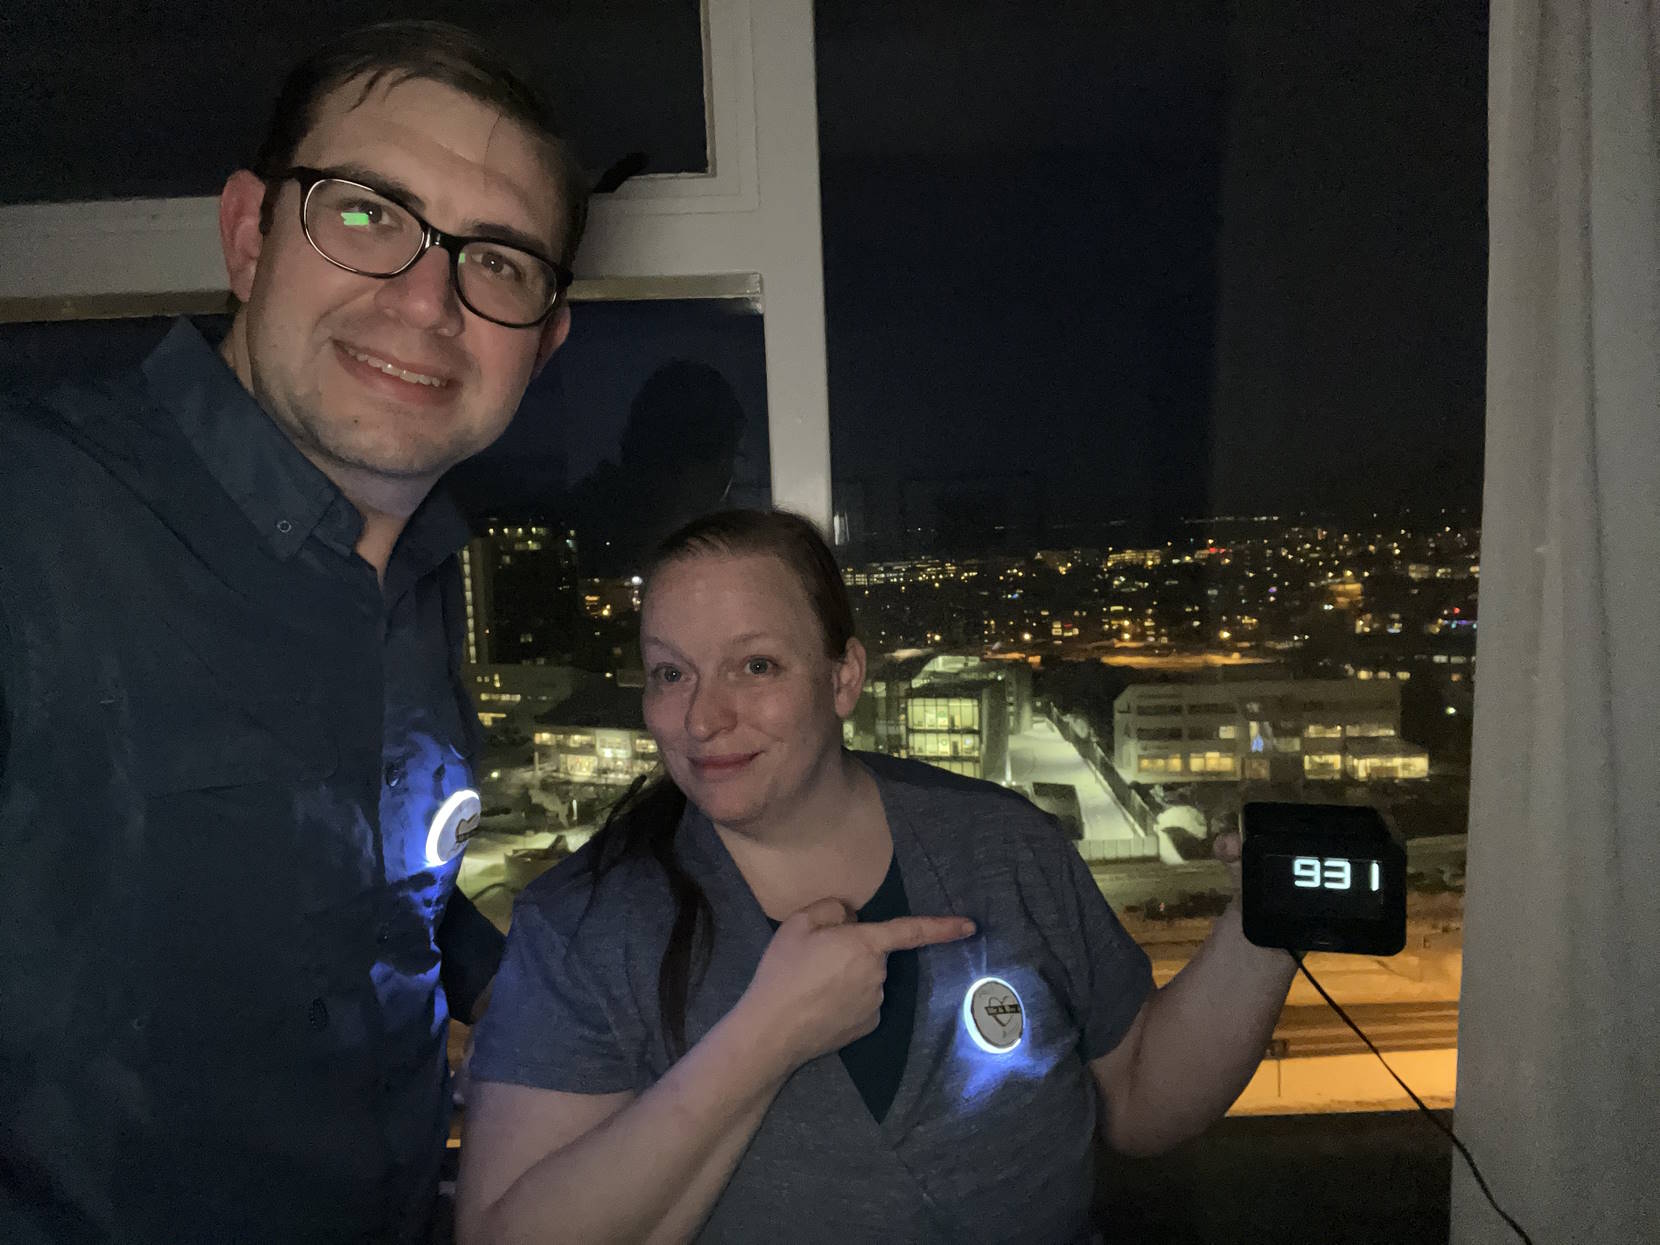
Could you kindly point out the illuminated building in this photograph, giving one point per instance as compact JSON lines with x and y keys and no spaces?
{"x":1064,"y":560}
{"x":950,"y":710}
{"x":596,"y":736}
{"x":877,"y":723}
{"x":511,"y":698}
{"x":521,"y":593}
{"x":477,"y":563}
{"x":611,"y":598}
{"x":1369,"y":760}
{"x":1263,"y":731}
{"x":961,"y":725}
{"x":1346,"y":593}
{"x":1135,"y":557}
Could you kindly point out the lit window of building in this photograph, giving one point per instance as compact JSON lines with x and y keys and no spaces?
{"x":1294,"y":729}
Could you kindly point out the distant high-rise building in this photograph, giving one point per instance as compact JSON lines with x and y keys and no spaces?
{"x":524,"y":602}
{"x":477,"y":561}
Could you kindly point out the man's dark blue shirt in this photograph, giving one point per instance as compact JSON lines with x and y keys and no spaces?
{"x":221,"y":743}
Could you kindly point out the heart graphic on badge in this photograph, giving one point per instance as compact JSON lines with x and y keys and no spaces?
{"x":993,"y":1016}
{"x":1005,"y":1011}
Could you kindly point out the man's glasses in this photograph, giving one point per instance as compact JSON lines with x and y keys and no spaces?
{"x":368,"y":232}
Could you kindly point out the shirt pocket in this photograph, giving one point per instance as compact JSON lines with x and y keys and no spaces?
{"x":221,"y":854}
{"x":204,"y":744}
{"x":221,"y":708}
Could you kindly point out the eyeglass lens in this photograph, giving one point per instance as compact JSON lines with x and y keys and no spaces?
{"x":370,"y":234}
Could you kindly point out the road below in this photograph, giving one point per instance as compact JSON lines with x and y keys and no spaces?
{"x":1042,"y":754}
{"x":1303,"y":1032}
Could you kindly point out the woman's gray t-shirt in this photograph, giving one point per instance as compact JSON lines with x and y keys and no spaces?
{"x":976,"y":1145}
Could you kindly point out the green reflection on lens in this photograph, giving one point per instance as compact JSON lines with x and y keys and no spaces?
{"x":354,"y":218}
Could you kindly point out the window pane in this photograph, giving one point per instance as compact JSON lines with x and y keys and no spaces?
{"x":651,"y":414}
{"x":195,"y":81}
{"x":1165,"y":389}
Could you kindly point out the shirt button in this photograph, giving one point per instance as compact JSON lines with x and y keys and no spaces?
{"x":284,"y":526}
{"x":317,"y":1015}
{"x":394,"y":773}
{"x":383,"y":933}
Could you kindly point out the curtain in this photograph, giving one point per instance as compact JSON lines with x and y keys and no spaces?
{"x":1559,"y":1050}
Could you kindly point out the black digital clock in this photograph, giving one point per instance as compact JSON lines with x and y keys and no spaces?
{"x":1322,"y":877}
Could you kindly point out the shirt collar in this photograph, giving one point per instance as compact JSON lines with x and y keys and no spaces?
{"x":705,"y":857}
{"x":434,"y":532}
{"x":282,"y":492}
{"x":283,"y":495}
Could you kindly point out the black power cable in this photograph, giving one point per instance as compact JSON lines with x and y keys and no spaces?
{"x":1428,"y":1114}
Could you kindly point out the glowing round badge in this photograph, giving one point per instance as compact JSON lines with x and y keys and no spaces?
{"x":993,"y":1016}
{"x":456,"y":818}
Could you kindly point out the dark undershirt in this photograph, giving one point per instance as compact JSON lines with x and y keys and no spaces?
{"x":877,"y":1061}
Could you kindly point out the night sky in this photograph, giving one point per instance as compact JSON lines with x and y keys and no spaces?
{"x":1176,"y":265}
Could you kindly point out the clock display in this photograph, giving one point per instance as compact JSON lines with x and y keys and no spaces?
{"x":1323,"y":885}
{"x":1322,"y":877}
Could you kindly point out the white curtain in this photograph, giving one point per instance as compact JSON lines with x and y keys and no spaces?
{"x":1559,"y":1053}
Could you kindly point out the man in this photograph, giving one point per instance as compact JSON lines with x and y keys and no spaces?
{"x":230,"y":630}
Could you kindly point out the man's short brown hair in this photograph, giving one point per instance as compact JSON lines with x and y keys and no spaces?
{"x":402,"y":51}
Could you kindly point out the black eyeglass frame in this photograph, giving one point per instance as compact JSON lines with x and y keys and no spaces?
{"x":451,"y":244}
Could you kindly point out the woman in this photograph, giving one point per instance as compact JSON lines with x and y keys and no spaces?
{"x":791,"y":992}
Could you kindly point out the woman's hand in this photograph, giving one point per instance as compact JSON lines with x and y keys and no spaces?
{"x":1227,"y":848}
{"x":819,"y":985}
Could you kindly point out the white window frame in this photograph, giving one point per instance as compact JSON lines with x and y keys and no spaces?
{"x":747,"y":228}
